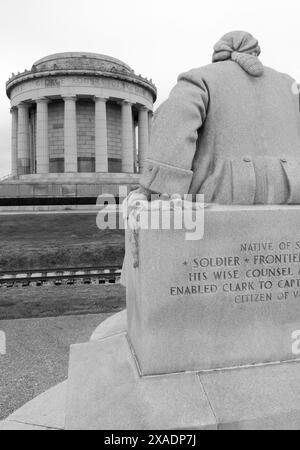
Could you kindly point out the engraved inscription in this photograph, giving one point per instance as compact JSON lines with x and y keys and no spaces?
{"x":258,"y":272}
{"x":57,"y":82}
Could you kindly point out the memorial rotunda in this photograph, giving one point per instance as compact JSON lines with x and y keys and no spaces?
{"x":78,"y":114}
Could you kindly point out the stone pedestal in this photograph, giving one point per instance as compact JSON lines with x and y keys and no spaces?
{"x":212,"y":340}
{"x":230,"y":299}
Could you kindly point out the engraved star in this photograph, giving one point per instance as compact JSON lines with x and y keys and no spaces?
{"x":247,"y":260}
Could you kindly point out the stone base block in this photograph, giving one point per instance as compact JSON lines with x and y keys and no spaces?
{"x":255,"y":398}
{"x":107,"y":392}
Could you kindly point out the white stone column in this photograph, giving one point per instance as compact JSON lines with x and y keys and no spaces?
{"x":70,"y":135}
{"x":143,"y":130}
{"x":150,"y":122}
{"x":42,"y":139}
{"x":127,"y":138}
{"x":23,"y":139}
{"x":14,"y":141}
{"x":101,"y":155}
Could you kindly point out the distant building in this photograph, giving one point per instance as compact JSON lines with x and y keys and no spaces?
{"x":77,"y":113}
{"x":79,"y":117}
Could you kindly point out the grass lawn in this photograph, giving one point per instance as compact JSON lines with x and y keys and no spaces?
{"x":52,"y":301}
{"x":57,"y":240}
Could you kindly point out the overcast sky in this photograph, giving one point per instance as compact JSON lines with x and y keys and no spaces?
{"x":157,"y":38}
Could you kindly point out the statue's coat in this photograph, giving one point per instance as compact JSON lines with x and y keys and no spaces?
{"x":228,"y":135}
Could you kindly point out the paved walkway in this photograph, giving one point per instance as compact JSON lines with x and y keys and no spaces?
{"x":37,"y":353}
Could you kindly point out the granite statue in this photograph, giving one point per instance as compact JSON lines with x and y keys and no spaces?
{"x":229,"y":130}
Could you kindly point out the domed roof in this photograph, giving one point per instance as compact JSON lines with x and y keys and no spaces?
{"x":80,"y":64}
{"x":80,"y":60}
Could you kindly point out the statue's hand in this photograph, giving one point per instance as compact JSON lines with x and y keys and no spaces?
{"x":134,"y":200}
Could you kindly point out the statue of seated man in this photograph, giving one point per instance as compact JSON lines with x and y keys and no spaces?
{"x":229,"y":130}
